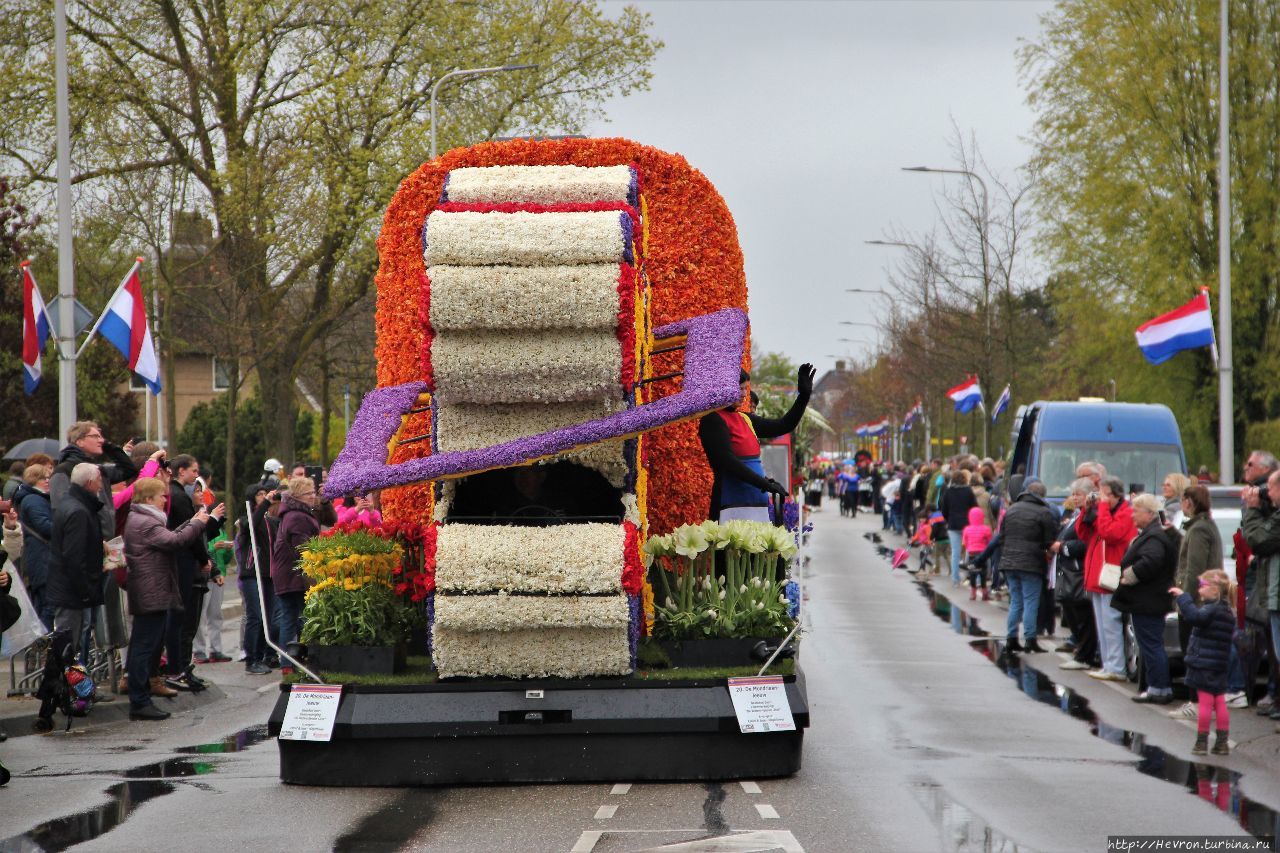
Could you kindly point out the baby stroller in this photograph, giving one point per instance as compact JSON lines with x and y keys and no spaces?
{"x":64,"y":686}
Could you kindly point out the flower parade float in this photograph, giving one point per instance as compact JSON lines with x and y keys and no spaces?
{"x":553,"y":317}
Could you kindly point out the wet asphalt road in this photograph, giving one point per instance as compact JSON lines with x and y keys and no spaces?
{"x":918,"y":743}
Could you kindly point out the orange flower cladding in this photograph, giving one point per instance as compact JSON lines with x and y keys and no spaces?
{"x":692,"y":261}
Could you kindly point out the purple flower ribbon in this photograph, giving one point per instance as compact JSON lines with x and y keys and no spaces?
{"x":712,"y":359}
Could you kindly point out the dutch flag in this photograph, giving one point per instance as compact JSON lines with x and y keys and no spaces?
{"x":35,"y":329}
{"x":910,"y":420}
{"x":1002,"y":403}
{"x":879,"y":427}
{"x":124,"y":324}
{"x":1188,"y":327}
{"x":966,"y":395}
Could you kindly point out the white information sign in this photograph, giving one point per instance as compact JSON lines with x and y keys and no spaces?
{"x":761,"y":704}
{"x":311,"y":711}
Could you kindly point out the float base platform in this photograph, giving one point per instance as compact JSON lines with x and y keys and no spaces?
{"x":617,"y":730}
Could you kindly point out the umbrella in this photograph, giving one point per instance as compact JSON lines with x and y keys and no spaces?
{"x":32,"y":446}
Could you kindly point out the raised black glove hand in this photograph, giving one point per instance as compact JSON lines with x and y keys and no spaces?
{"x":804,"y":379}
{"x":777,"y":488}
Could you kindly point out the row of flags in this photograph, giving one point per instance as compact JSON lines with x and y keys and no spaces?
{"x":123,"y":324}
{"x":1189,"y":326}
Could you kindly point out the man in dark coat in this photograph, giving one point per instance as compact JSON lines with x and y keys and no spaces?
{"x":85,"y":443}
{"x":1027,"y":533}
{"x":76,"y":553}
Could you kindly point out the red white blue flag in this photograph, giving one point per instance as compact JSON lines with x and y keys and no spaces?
{"x":35,"y":329}
{"x":124,"y":324}
{"x":967,"y":395}
{"x":1188,"y":327}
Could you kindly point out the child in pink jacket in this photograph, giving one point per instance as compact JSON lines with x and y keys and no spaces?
{"x":976,"y":537}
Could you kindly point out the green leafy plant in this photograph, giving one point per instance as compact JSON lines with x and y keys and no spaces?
{"x":368,"y":615}
{"x":746,"y":599}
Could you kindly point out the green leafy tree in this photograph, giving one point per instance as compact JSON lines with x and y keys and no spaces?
{"x":290,"y":124}
{"x":1126,"y":160}
{"x":204,"y":435}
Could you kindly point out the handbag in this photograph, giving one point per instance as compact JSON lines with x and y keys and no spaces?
{"x":1109,"y":579}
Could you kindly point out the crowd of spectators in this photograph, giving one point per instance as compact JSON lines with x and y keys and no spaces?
{"x":125,"y":549}
{"x":1105,"y":561}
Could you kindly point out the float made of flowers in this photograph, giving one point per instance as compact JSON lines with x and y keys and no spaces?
{"x":553,"y":317}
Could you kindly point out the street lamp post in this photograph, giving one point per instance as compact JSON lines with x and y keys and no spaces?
{"x":986,"y":265}
{"x":925,"y":294}
{"x":464,"y":72}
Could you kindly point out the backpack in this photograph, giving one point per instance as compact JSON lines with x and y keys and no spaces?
{"x":57,"y":692}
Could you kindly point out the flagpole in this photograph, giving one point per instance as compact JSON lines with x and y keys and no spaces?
{"x":93,"y":331}
{"x":67,"y":354}
{"x":1226,"y":406}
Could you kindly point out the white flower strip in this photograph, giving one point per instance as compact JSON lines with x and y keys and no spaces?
{"x":510,"y":297}
{"x":523,"y":367}
{"x":539,"y":184}
{"x":470,"y":426}
{"x":546,"y":653}
{"x":525,"y":239}
{"x":569,"y":558}
{"x":501,"y":612}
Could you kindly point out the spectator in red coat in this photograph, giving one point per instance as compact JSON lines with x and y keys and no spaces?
{"x":1106,"y":527}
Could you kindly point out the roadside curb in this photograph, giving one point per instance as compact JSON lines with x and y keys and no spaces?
{"x":20,"y":724}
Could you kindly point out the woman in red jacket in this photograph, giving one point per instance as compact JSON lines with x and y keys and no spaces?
{"x":1106,"y":527}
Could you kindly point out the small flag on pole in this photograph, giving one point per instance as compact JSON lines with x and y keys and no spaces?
{"x":1188,"y":327}
{"x":880,"y":427}
{"x":967,"y":395}
{"x":1001,"y":404}
{"x":910,"y":419}
{"x":124,"y":324}
{"x":35,"y":329}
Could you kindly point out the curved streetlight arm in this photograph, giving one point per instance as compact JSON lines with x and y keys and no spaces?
{"x":464,"y":72}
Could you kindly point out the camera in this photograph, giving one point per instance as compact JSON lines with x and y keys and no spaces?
{"x":164,"y":464}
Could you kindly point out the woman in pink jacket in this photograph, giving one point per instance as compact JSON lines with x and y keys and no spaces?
{"x":1106,"y":527}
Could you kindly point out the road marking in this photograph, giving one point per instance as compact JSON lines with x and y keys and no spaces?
{"x":606,"y":812}
{"x":267,"y":688}
{"x":767,"y":811}
{"x":749,"y":841}
{"x":750,"y":787}
{"x":587,"y":841}
{"x":621,"y":788}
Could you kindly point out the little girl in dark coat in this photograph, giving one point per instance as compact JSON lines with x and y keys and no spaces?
{"x":1208,"y":655}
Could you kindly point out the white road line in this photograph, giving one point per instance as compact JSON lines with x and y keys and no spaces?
{"x":605,"y":812}
{"x":267,"y":688}
{"x":621,"y":788}
{"x":767,"y":811}
{"x":587,"y":841}
{"x":750,"y":787}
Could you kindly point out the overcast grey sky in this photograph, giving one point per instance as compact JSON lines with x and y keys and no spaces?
{"x":802,"y":113}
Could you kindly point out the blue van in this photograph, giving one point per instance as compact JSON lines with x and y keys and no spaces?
{"x":1137,"y":442}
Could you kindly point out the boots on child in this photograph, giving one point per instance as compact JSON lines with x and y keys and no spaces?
{"x":1220,"y":746}
{"x":986,"y":594}
{"x":1201,"y":746}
